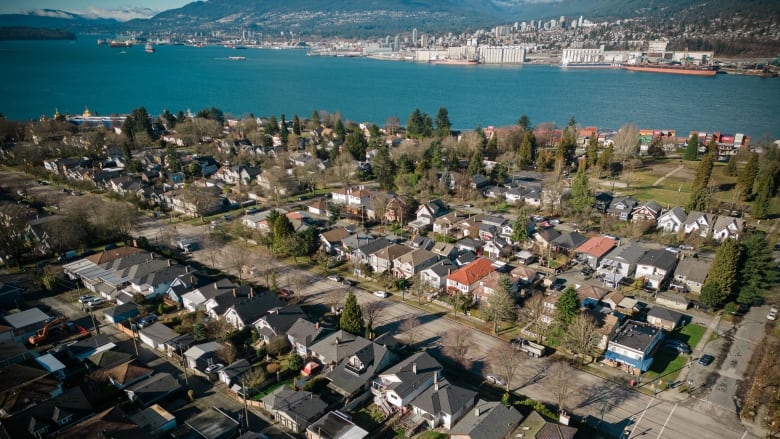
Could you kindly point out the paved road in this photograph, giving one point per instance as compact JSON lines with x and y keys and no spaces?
{"x":613,"y":406}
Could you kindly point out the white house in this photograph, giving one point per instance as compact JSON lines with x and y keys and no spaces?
{"x":672,"y":220}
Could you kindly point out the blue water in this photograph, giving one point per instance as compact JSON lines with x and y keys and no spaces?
{"x":38,"y":77}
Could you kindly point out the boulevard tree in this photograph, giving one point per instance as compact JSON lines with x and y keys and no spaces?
{"x":501,"y":304}
{"x":566,"y":307}
{"x":456,"y":345}
{"x":13,"y":242}
{"x":581,"y":337}
{"x":692,"y":148}
{"x":560,"y":382}
{"x":506,"y":361}
{"x":352,"y":317}
{"x":410,"y":328}
{"x":371,"y":311}
{"x":533,"y":312}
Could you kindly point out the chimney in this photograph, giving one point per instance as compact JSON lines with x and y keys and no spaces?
{"x":192,"y":280}
{"x":317,"y":326}
{"x":414,"y":368}
{"x":338,"y":340}
{"x":169,"y":262}
{"x":251,"y":292}
{"x":235,"y":294}
{"x":435,"y":383}
{"x":476,"y":412}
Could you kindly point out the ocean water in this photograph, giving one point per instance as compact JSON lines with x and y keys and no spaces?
{"x":38,"y":77}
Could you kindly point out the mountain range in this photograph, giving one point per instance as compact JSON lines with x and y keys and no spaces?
{"x":359,"y":18}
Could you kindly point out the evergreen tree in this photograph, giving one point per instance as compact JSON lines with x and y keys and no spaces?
{"x":760,"y":209}
{"x":294,"y":361}
{"x":699,"y":194}
{"x":491,"y":150}
{"x":384,"y":168}
{"x":415,"y":124}
{"x":352,"y":317}
{"x":475,"y":163}
{"x":724,"y":269}
{"x":605,"y":158}
{"x":284,"y":134}
{"x":566,"y":307}
{"x":138,"y":121}
{"x":731,"y":168}
{"x":339,"y":130}
{"x":592,"y":152}
{"x":712,"y":294}
{"x":443,"y":125}
{"x":434,"y":153}
{"x":296,"y":125}
{"x":356,"y":144}
{"x":527,"y":149}
{"x":747,"y":177}
{"x":272,"y":126}
{"x":757,"y":273}
{"x":482,"y":138}
{"x":524,"y":122}
{"x":172,"y":162}
{"x":315,"y":118}
{"x":692,"y":148}
{"x":520,"y":228}
{"x":581,"y":198}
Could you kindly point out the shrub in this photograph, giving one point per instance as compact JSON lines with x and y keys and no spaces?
{"x":316,"y":384}
{"x":272,"y":367}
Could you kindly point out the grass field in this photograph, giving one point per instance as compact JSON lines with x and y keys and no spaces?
{"x":668,"y":362}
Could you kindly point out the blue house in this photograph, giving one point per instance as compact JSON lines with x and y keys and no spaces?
{"x":121,"y":313}
{"x":633,"y":346}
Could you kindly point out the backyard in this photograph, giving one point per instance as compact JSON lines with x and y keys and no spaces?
{"x":668,"y":362}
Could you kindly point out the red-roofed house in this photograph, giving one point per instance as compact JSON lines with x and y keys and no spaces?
{"x":594,"y":249}
{"x":467,"y":278}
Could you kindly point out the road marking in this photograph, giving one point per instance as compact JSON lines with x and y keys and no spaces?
{"x":667,"y":420}
{"x":641,"y":416}
{"x":744,"y":434}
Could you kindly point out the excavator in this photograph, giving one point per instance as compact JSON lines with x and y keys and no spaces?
{"x":43,"y":333}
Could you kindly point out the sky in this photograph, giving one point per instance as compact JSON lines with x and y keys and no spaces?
{"x":120,"y":9}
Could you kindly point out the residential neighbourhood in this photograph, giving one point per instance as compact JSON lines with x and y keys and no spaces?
{"x":258,"y":297}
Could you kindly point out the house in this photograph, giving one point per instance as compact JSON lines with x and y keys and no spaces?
{"x":621,"y":262}
{"x":353,"y":242}
{"x":318,"y":207}
{"x":410,"y":263}
{"x":443,"y":404}
{"x":602,"y":201}
{"x":331,"y":239}
{"x":534,"y":426}
{"x":402,"y":383}
{"x":567,"y":242}
{"x":656,"y":267}
{"x":154,"y":420}
{"x":153,"y":389}
{"x":335,"y":425}
{"x":127,"y":374}
{"x":436,"y":275}
{"x":382,"y":260}
{"x":631,"y":348}
{"x":591,"y":295}
{"x":245,"y":312}
{"x":690,"y":275}
{"x":335,"y":346}
{"x":592,"y":251}
{"x":672,"y":300}
{"x":672,"y":220}
{"x":699,"y":223}
{"x":24,"y":323}
{"x":421,"y":242}
{"x":431,"y":210}
{"x":120,"y":313}
{"x":478,"y":181}
{"x":544,"y":238}
{"x":497,"y":247}
{"x":663,"y":318}
{"x":727,"y":227}
{"x":88,"y":347}
{"x":50,"y":417}
{"x":524,"y":275}
{"x":156,"y":336}
{"x":112,"y":422}
{"x":467,"y":278}
{"x":351,"y":196}
{"x":196,"y":299}
{"x":303,"y":334}
{"x":295,"y":410}
{"x":107,"y":359}
{"x":396,"y":210}
{"x":613,"y":299}
{"x":353,"y":374}
{"x":647,"y":211}
{"x":278,"y":321}
{"x":621,"y":208}
{"x":445,"y":250}
{"x":445,"y":224}
{"x":487,"y":420}
{"x":10,"y":294}
{"x":232,"y":373}
{"x":201,"y":356}
{"x":362,"y":254}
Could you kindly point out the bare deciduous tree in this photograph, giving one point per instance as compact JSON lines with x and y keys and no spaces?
{"x":410,"y":328}
{"x":372,"y":310}
{"x":533,"y":312}
{"x":236,"y":256}
{"x":506,"y":361}
{"x":626,"y":142}
{"x":560,"y":382}
{"x":227,"y":353}
{"x":456,"y":345}
{"x":582,"y":337}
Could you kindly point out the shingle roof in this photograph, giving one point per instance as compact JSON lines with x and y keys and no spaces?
{"x":444,"y":398}
{"x":411,"y":373}
{"x":694,"y":270}
{"x":488,"y":420}
{"x":659,"y":258}
{"x":473,"y":272}
{"x":597,"y":246}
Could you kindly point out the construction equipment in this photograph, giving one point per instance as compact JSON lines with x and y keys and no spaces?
{"x":43,"y":333}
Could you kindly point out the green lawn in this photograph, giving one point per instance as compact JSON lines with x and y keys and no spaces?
{"x":667,"y":362}
{"x":690,"y":334}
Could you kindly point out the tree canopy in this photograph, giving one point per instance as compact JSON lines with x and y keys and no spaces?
{"x":352,"y":317}
{"x":692,"y":148}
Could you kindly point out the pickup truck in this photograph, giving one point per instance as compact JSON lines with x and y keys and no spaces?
{"x":529,"y":347}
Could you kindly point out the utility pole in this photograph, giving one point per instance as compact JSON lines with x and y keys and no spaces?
{"x":134,"y":328}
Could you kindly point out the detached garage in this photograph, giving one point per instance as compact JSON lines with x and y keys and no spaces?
{"x":156,"y":336}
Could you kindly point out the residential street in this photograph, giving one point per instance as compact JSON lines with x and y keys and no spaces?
{"x":613,"y":406}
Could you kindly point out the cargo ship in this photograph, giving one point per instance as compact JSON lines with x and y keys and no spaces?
{"x":590,"y":66}
{"x":675,"y":69}
{"x":116,"y":44}
{"x":455,"y":62}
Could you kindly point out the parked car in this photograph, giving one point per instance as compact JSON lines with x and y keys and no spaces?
{"x":348,"y":282}
{"x":251,"y":210}
{"x":86,"y":298}
{"x":147,"y":320}
{"x":95,"y":301}
{"x":335,"y":278}
{"x":678,"y":346}
{"x":381,"y":294}
{"x":496,"y":380}
{"x":706,"y":359}
{"x":284,"y":292}
{"x":227,"y":217}
{"x":214,"y":368}
{"x":772,"y":315}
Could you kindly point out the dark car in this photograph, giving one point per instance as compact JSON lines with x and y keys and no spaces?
{"x":706,"y":359}
{"x":348,"y":282}
{"x":678,"y":346}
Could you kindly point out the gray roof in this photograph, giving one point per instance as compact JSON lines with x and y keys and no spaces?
{"x":282,"y":319}
{"x":659,"y":258}
{"x":304,"y":332}
{"x":155,"y":387}
{"x":120,"y":310}
{"x":338,"y":345}
{"x":629,"y":254}
{"x":694,"y":270}
{"x":212,"y":423}
{"x":665,"y":314}
{"x":677,"y":212}
{"x":26,"y":318}
{"x":297,"y":404}
{"x":374,"y":246}
{"x":236,"y":368}
{"x":569,"y":240}
{"x":494,"y":421}
{"x":336,"y":426}
{"x":158,"y":332}
{"x":348,"y":379}
{"x":407,"y":379}
{"x":446,"y":399}
{"x":443,"y":267}
{"x":203,"y":349}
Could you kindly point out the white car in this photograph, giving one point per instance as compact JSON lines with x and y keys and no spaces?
{"x":772,"y":315}
{"x":335,"y":278}
{"x":214,"y":368}
{"x":86,"y":298}
{"x":381,"y":294}
{"x":495,"y":379}
{"x":95,"y":301}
